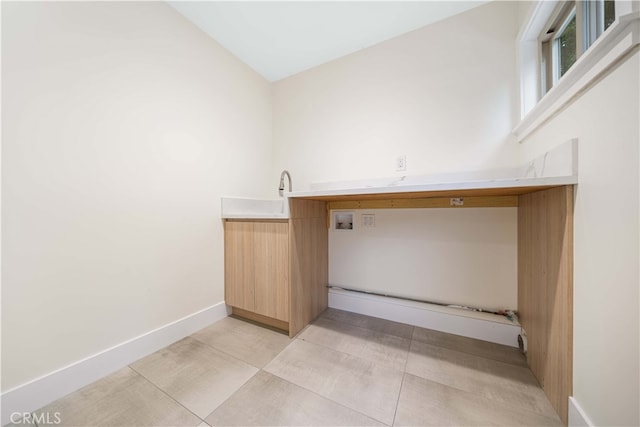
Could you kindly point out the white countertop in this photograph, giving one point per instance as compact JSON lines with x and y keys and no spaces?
{"x":556,"y":167}
{"x":247,"y":208}
{"x":436,"y":186}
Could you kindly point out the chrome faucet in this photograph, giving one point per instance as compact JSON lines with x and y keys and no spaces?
{"x":281,"y":188}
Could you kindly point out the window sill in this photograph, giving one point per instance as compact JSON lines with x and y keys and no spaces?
{"x":621,"y":39}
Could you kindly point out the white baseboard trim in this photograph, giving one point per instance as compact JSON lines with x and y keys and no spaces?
{"x":577,"y":416}
{"x":483,"y":326}
{"x":37,"y":393}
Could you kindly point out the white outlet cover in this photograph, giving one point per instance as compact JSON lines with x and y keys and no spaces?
{"x":401,"y":163}
{"x":368,"y":220}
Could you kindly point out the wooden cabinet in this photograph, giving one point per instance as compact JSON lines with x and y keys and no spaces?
{"x":256,"y":273}
{"x":276,"y":271}
{"x":238,"y":265}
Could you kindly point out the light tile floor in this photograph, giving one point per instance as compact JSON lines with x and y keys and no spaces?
{"x":345,"y":369}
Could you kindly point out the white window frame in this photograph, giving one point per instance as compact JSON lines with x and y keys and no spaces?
{"x":589,"y":16}
{"x":556,"y":44}
{"x":616,"y":42}
{"x":593,"y":15}
{"x":549,"y":40}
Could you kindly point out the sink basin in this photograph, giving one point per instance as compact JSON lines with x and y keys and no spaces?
{"x":236,"y":207}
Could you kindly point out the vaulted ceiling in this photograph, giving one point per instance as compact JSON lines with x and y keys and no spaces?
{"x":279,"y":39}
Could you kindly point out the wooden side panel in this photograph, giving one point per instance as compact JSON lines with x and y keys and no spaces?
{"x":300,"y":309}
{"x":545,"y":289}
{"x":320,"y":269}
{"x":305,"y":209}
{"x":271,"y":263}
{"x":239,"y":275}
{"x":308,"y":254}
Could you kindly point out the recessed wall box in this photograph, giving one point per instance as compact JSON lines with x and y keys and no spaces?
{"x":343,"y":220}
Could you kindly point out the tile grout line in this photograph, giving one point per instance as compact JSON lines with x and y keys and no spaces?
{"x":360,"y":357}
{"x":395,"y":413}
{"x":380,"y":365}
{"x":324,"y":397}
{"x":167,"y":394}
{"x":479,"y":395}
{"x":404,"y":373}
{"x":369,"y":329}
{"x":318,"y":394}
{"x":350,"y":355}
{"x":467,"y":352}
{"x":230,"y":396}
{"x":471,"y":354}
{"x":231,"y":355}
{"x":475,"y":393}
{"x":252,"y":324}
{"x":406,"y":361}
{"x":213,"y":348}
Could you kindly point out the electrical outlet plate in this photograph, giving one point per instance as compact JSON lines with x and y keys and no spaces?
{"x":401,"y":163}
{"x":368,"y":220}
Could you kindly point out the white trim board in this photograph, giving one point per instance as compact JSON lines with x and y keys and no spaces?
{"x":483,"y":326}
{"x":35,"y":394}
{"x":577,"y":416}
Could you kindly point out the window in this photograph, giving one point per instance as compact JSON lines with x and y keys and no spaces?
{"x":573,"y":27}
{"x":567,"y":45}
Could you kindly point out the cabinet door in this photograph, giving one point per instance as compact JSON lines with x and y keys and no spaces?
{"x":271,"y":264}
{"x":239,"y":277}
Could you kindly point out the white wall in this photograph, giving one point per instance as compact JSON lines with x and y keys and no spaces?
{"x":442,"y":95}
{"x":122,"y":126}
{"x":464,"y":256}
{"x":606,"y":243}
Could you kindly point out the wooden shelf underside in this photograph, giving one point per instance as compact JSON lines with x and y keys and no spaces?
{"x":429,"y":202}
{"x":477,"y":192}
{"x":472,"y":198}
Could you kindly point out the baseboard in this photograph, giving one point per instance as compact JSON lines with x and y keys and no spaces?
{"x":44,"y":390}
{"x":483,"y":326}
{"x":577,"y":416}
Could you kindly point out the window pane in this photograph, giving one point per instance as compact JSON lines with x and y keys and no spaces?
{"x":609,"y":13}
{"x":567,"y":47}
